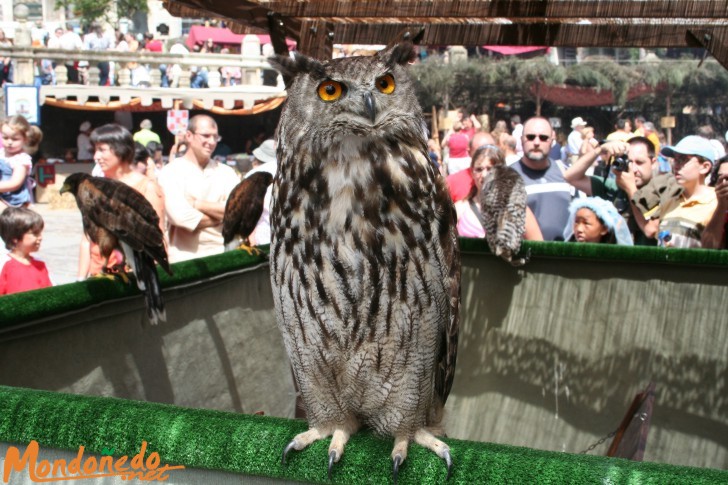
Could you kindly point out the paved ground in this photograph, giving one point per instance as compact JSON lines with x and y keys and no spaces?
{"x":61,"y":240}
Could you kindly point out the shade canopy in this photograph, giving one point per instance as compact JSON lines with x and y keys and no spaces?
{"x":225,"y":37}
{"x":511,"y":50}
{"x":317,"y":25}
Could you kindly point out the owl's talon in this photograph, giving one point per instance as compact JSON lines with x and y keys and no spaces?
{"x":448,"y":460}
{"x":332,"y":459}
{"x":288,"y":448}
{"x":395,"y":467}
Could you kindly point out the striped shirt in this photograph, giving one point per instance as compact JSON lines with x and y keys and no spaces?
{"x":549,"y":196}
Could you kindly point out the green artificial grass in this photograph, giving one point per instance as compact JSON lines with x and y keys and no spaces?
{"x":607,"y":252}
{"x":252,"y":445}
{"x":57,"y":300}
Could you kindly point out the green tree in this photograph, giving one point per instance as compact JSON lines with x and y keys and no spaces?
{"x":528,"y":75}
{"x":89,"y":11}
{"x":434,"y":82}
{"x":668,"y":77}
{"x":603,"y":75}
{"x":474,"y":85}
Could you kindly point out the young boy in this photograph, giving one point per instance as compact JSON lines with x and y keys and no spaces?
{"x":21,"y":230}
{"x":684,"y":218}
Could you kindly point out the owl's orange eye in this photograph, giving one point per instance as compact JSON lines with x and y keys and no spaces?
{"x":385,"y":84}
{"x":330,"y":90}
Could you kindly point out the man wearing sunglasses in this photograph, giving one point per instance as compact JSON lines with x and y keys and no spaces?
{"x":549,"y":195}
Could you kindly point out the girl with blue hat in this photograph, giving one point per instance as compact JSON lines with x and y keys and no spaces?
{"x":595,"y":220}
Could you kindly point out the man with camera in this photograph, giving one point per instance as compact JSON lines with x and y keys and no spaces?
{"x":633,"y":164}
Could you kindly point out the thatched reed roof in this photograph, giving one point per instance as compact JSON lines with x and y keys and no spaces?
{"x":317,"y":24}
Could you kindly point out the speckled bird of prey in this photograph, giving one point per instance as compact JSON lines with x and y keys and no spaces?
{"x":244,"y":208}
{"x":365,"y":266}
{"x":115,"y":216}
{"x":503,"y":205}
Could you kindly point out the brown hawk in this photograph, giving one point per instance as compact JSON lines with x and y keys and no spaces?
{"x":116,"y":216}
{"x":244,"y":207}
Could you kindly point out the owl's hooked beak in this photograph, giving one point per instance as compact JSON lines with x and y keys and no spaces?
{"x":371,"y":109}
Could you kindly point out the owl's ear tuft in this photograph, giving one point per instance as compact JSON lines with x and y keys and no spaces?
{"x":402,"y":53}
{"x":290,"y":67}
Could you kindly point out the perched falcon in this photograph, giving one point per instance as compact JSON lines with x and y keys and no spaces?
{"x":244,"y":207}
{"x":115,"y":216}
{"x":364,"y":261}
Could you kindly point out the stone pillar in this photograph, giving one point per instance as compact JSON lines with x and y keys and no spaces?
{"x":155,"y":75}
{"x":251,"y":48}
{"x":124,"y":77}
{"x":458,"y":53}
{"x":185,"y":77}
{"x":213,"y":78}
{"x":94,"y":75}
{"x":23,"y":72}
{"x":61,"y":74}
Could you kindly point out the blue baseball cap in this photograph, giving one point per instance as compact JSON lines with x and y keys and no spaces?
{"x":691,"y":145}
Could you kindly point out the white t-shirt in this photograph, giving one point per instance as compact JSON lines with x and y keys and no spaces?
{"x":261,"y":234}
{"x":182,"y":178}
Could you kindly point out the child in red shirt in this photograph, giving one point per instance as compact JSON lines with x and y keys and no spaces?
{"x":21,"y":229}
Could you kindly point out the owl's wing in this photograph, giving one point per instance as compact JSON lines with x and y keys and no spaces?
{"x":449,"y":241}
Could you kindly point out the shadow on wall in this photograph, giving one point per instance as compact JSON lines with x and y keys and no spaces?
{"x":578,"y":343}
{"x":219,"y":349}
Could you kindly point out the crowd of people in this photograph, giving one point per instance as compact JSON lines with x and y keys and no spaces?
{"x":624,"y":190}
{"x":188,"y":194}
{"x":96,"y":38}
{"x":671,"y":196}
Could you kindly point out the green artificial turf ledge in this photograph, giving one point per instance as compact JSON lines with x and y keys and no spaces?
{"x":49,"y":302}
{"x":607,"y":252}
{"x":21,"y":308}
{"x":252,"y":445}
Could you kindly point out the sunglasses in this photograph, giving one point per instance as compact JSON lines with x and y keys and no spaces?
{"x":540,"y":137}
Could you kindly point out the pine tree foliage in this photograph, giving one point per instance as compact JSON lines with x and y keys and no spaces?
{"x":90,"y":11}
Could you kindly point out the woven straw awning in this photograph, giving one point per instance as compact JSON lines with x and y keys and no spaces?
{"x":318,"y":24}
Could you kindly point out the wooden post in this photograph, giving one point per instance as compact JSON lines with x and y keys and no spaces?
{"x":435,"y":130}
{"x":317,"y":39}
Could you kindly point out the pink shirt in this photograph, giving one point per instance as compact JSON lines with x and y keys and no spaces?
{"x":458,"y":143}
{"x":468,"y":222}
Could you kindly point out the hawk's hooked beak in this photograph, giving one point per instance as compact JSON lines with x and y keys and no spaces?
{"x":371,"y":109}
{"x":65,"y":188}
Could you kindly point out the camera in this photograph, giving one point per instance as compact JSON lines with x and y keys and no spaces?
{"x":621,"y":164}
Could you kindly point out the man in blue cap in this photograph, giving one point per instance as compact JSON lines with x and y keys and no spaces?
{"x":683,"y":218}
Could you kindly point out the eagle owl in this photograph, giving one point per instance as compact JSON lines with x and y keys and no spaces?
{"x":364,"y":260}
{"x":503,"y":205}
